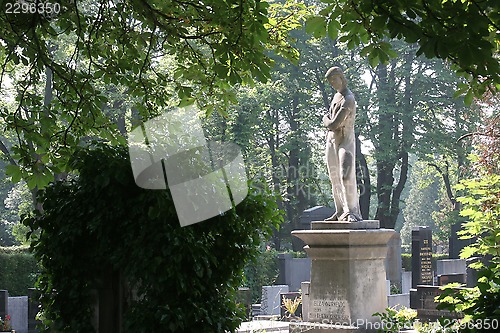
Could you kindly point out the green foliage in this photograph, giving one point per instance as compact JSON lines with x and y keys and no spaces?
{"x":185,"y":278}
{"x":263,"y":270}
{"x":481,"y":205}
{"x":18,"y":270}
{"x":421,"y":202}
{"x":394,"y":320}
{"x":62,"y":69}
{"x":18,"y":202}
{"x":462,"y":32}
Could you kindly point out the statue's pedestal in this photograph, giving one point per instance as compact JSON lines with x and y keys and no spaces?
{"x":348,"y":278}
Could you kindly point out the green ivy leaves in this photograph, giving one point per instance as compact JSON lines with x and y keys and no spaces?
{"x":101,"y":223}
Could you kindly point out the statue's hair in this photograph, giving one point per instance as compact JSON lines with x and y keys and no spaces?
{"x":336,"y":71}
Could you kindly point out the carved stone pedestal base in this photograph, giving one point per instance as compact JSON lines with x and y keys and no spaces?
{"x":348,"y":278}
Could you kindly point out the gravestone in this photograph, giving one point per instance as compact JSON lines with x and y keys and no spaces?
{"x":18,"y":310}
{"x":398,"y":301}
{"x":423,"y":301}
{"x":471,"y":272}
{"x":293,"y":271}
{"x":455,"y":243}
{"x":451,"y":266}
{"x":255,"y":310}
{"x":445,"y":279}
{"x":406,"y":282}
{"x":393,"y":263}
{"x":245,"y":299}
{"x":4,"y":303}
{"x":421,"y":256}
{"x":317,"y":213}
{"x":33,"y":308}
{"x":271,"y":302}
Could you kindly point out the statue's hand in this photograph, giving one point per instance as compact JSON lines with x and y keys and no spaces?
{"x":326,"y":120}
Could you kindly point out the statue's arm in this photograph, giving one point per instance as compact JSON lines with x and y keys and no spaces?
{"x":340,"y":117}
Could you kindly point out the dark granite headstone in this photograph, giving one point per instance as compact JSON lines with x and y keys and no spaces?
{"x":445,"y":279}
{"x":317,"y":213}
{"x":33,"y":308}
{"x":472,"y":274}
{"x":457,"y":244}
{"x":426,"y":306}
{"x":4,"y":303}
{"x":421,"y":256}
{"x":245,"y":299}
{"x":393,"y":262}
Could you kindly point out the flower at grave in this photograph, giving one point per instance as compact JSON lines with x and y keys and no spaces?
{"x":397,"y":318}
{"x":291,"y":305}
{"x":406,"y":314}
{"x":5,"y":324}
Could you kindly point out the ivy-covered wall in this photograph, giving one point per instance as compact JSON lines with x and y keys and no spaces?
{"x":181,"y":279}
{"x":18,"y":270}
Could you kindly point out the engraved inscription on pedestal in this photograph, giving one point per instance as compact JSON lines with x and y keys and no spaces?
{"x":332,"y":307}
{"x":332,"y":310}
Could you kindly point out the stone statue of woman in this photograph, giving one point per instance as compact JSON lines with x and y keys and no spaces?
{"x":341,"y":149}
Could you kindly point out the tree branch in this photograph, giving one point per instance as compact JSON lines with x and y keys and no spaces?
{"x":446,"y":179}
{"x":6,"y":151}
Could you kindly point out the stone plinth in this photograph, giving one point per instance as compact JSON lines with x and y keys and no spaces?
{"x":4,"y":303}
{"x":366,"y":224}
{"x":348,"y":278}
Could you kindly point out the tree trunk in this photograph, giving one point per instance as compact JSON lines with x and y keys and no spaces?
{"x":297,"y":198}
{"x":273,"y":145}
{"x":386,"y":148}
{"x":363,"y":180}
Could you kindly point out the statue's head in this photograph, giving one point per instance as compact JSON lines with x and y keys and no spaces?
{"x":332,"y":74}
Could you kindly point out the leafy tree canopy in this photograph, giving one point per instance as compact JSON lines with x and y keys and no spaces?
{"x":59,"y":70}
{"x":464,"y":32}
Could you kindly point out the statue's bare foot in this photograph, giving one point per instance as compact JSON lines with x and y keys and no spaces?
{"x":344,"y":217}
{"x":334,"y":217}
{"x":350,"y":217}
{"x":354,"y":218}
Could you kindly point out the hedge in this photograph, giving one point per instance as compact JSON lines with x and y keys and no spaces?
{"x":18,"y":270}
{"x":100,"y":226}
{"x":263,"y":271}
